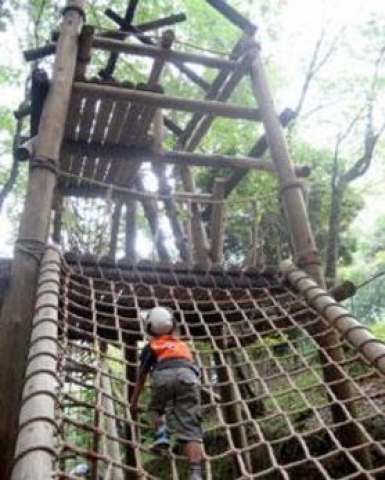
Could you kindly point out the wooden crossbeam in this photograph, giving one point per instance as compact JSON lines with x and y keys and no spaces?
{"x":233,"y":16}
{"x":120,"y":152}
{"x":129,"y":16}
{"x":167,"y":101}
{"x":144,"y":27}
{"x":118,"y":46}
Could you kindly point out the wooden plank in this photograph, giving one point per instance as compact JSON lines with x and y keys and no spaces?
{"x":103,"y":120}
{"x":88,"y":118}
{"x":118,"y":118}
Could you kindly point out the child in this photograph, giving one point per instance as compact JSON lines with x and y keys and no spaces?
{"x":175,"y":387}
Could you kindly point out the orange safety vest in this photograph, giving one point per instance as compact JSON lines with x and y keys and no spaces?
{"x":168,"y":347}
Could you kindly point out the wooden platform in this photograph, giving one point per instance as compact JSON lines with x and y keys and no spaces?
{"x":105,"y":122}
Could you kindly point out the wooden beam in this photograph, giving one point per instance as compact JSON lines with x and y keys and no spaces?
{"x":194,"y":132}
{"x":217,"y":223}
{"x":223,"y":95}
{"x":126,"y":171}
{"x":259,"y":150}
{"x":164,"y":188}
{"x":129,"y":16}
{"x":116,"y":216}
{"x":167,"y":101}
{"x":130,"y":230}
{"x":151,"y":214}
{"x":304,"y":246}
{"x":91,"y":189}
{"x":118,"y":46}
{"x":84,"y":53}
{"x":138,"y":30}
{"x":19,"y":303}
{"x":233,"y":16}
{"x":126,"y":27}
{"x":34,"y":54}
{"x":122,"y":153}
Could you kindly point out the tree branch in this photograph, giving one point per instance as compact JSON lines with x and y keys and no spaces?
{"x":14,"y":173}
{"x":315,"y":64}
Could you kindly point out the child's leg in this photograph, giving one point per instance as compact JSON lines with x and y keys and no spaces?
{"x":159,"y":420}
{"x":194,"y":453}
{"x":161,"y":435}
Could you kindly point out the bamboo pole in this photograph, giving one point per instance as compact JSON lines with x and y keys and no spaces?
{"x":337,"y":316}
{"x":307,"y":255}
{"x":116,"y":216}
{"x":253,"y":259}
{"x":164,"y":188}
{"x":151,"y":213}
{"x":34,"y":226}
{"x":84,"y":52}
{"x":195,"y":131}
{"x":130,"y":229}
{"x":166,"y":101}
{"x":35,"y":451}
{"x":118,"y":46}
{"x":138,"y":130}
{"x":217,"y":223}
{"x":233,"y":16}
{"x":130,"y":356}
{"x":174,"y":157}
{"x":112,"y":439}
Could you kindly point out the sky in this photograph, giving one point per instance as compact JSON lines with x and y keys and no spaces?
{"x":300,"y":23}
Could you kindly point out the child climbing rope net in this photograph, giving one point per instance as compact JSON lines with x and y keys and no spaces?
{"x":175,"y":388}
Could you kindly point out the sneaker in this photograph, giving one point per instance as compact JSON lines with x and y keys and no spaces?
{"x":195,"y":476}
{"x":161,"y":440}
{"x":195,"y":472}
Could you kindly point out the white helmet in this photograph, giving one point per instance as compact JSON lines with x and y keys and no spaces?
{"x":80,"y":470}
{"x":159,"y":321}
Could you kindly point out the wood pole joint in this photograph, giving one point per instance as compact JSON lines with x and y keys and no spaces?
{"x":44,"y":164}
{"x":305,"y":259}
{"x":290,"y":184}
{"x":74,"y":8}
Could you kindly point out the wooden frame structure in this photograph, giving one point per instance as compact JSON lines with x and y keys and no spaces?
{"x":95,"y":135}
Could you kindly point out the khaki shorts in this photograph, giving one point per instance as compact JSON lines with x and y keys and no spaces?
{"x":176,"y":391}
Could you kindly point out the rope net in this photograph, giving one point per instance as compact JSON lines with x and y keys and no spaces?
{"x":268,"y":413}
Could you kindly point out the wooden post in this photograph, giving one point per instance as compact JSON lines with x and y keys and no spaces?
{"x":164,"y":188}
{"x":307,"y":256}
{"x":19,"y":302}
{"x":217,"y":222}
{"x":130,"y":356}
{"x":84,"y":52}
{"x":112,"y":445}
{"x":116,"y":216}
{"x":199,"y":237}
{"x":131,"y":229}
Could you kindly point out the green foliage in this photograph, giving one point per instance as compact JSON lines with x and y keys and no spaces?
{"x":378,"y":329}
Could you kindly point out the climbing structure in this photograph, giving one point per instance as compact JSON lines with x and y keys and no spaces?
{"x":292,"y":385}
